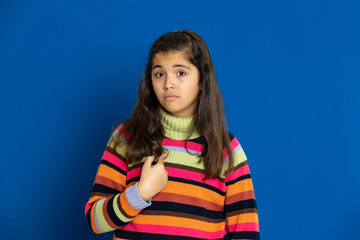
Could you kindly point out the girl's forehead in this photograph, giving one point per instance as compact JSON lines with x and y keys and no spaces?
{"x":172,"y":52}
{"x":170,"y":56}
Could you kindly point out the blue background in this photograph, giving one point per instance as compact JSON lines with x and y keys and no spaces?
{"x":289,"y":72}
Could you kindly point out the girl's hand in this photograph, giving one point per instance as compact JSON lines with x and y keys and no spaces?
{"x":153,"y":178}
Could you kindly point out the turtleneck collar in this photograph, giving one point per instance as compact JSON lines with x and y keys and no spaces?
{"x":176,"y":127}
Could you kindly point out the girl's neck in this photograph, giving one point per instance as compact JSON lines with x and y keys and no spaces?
{"x":176,"y":127}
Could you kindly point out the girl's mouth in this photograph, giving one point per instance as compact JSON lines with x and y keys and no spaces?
{"x":170,"y":97}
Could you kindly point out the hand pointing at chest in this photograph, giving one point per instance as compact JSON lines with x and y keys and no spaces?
{"x":153,"y":178}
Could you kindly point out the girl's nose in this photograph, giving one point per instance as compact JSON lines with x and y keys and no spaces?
{"x":169,"y":83}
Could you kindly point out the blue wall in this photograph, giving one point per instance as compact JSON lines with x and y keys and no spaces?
{"x":289,"y":72}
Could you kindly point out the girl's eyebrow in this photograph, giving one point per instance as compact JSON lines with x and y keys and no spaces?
{"x":179,"y":65}
{"x":175,"y":66}
{"x":157,"y":66}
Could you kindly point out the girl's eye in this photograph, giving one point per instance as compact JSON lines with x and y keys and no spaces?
{"x":181,"y":73}
{"x":159,"y":74}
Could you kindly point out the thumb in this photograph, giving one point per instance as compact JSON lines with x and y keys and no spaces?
{"x":162,"y":158}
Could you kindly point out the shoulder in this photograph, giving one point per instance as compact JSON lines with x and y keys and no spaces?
{"x":118,"y":140}
{"x":238,"y":154}
{"x":120,"y":129}
{"x":234,"y":143}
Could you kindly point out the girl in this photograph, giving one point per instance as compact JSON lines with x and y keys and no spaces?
{"x":172,"y":170}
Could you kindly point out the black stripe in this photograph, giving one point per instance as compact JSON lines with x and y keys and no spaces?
{"x":88,"y":214}
{"x":134,"y":179}
{"x":246,"y":235}
{"x":238,"y":179}
{"x":204,"y":185}
{"x":199,"y":140}
{"x":231,"y":136}
{"x":112,"y":214}
{"x":184,"y":208}
{"x":113,"y":166}
{"x":154,"y":236}
{"x":104,"y":189}
{"x":250,"y":203}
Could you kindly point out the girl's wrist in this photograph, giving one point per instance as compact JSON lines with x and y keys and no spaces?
{"x":142,"y":192}
{"x":135,"y":200}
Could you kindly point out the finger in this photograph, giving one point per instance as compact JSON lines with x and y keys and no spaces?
{"x":162,"y":158}
{"x":149,"y":160}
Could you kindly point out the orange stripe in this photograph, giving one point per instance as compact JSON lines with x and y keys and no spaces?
{"x":93,"y":224}
{"x":178,"y":222}
{"x":112,"y":174}
{"x":243,"y":218}
{"x":241,"y":186}
{"x":192,"y":190}
{"x":126,"y":205}
{"x":97,"y":197}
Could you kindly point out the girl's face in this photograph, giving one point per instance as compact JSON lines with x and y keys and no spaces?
{"x":176,"y":83}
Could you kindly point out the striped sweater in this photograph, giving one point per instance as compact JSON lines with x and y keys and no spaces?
{"x":189,"y":207}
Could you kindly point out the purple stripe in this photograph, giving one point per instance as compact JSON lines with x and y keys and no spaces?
{"x":238,"y":148}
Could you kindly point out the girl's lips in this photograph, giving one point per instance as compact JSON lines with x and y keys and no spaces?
{"x":170,"y":97}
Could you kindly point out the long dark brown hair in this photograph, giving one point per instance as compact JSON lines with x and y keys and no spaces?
{"x":144,"y":130}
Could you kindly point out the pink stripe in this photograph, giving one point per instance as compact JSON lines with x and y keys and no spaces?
{"x":87,"y":207}
{"x":111,"y":158}
{"x":174,"y":172}
{"x":136,"y":172}
{"x":125,"y":134}
{"x":233,"y":144}
{"x":198,"y":177}
{"x":238,"y":173}
{"x":239,"y":227}
{"x":120,"y":127}
{"x":169,"y":230}
{"x":181,"y":143}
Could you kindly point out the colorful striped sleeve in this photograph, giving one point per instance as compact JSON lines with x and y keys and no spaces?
{"x":240,"y":204}
{"x":108,"y":207}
